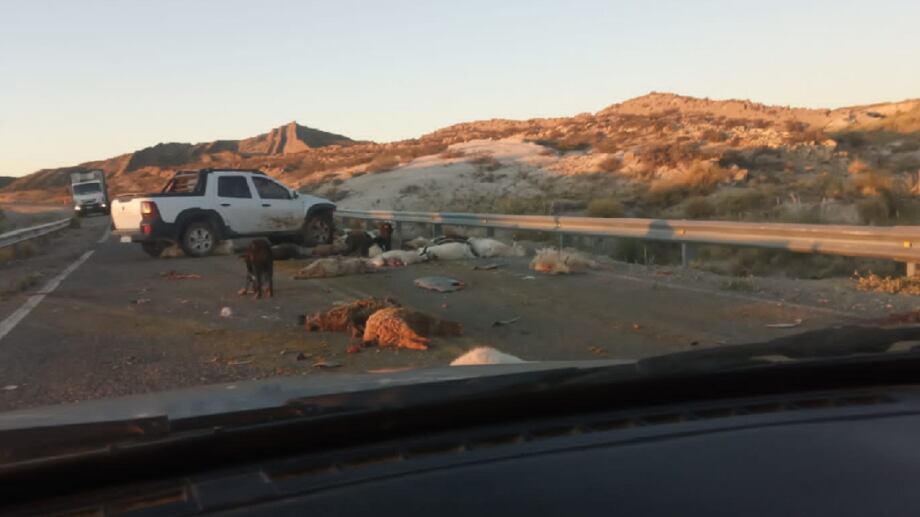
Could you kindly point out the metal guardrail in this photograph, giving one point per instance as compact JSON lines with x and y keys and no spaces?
{"x":24,"y":234}
{"x":899,"y":243}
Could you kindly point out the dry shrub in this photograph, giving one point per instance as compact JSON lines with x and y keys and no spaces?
{"x":382,"y":163}
{"x":521,"y":205}
{"x":858,"y":166}
{"x":871,"y":183}
{"x":453,"y":153}
{"x":698,"y":207}
{"x":874,"y":210}
{"x":610,"y":164}
{"x":887,"y":284}
{"x":701,"y":178}
{"x":486,"y":162}
{"x":605,"y":207}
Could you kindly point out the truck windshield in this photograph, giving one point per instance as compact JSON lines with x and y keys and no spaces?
{"x":86,"y":188}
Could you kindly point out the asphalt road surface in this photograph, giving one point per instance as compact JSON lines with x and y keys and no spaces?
{"x":116,"y":325}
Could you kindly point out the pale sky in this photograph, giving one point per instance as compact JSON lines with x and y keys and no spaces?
{"x":83,"y":80}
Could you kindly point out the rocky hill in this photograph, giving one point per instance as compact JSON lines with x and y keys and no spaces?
{"x":659,"y":155}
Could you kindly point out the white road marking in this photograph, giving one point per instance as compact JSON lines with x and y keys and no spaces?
{"x":105,"y":236}
{"x":12,"y":320}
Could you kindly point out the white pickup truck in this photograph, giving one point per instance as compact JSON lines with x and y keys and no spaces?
{"x":197,"y":209}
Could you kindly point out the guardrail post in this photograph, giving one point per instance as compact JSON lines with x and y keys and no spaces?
{"x":911,"y":268}
{"x":436,"y":230}
{"x":562,"y":240}
{"x":398,"y":237}
{"x":687,"y":253}
{"x":490,"y":232}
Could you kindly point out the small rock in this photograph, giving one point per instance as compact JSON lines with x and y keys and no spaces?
{"x":226,"y":312}
{"x":326,"y":364}
{"x":141,"y":301}
{"x":636,"y":326}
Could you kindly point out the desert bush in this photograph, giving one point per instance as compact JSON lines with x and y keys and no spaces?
{"x":382,"y":163}
{"x":737,"y":202}
{"x":610,"y":164}
{"x":486,"y":162}
{"x":714,"y":135}
{"x":871,"y":183}
{"x":887,"y":284}
{"x":607,"y":145}
{"x":409,"y":190}
{"x":605,"y":207}
{"x":453,"y":153}
{"x":874,"y":210}
{"x":698,"y":207}
{"x":858,"y":166}
{"x":521,"y":205}
{"x":851,"y":140}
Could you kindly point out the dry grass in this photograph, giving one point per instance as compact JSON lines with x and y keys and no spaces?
{"x":452,"y":153}
{"x":382,"y":163}
{"x":610,"y":164}
{"x":887,"y":284}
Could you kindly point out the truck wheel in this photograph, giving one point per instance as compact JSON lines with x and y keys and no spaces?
{"x":317,"y":229}
{"x":154,"y":249}
{"x":198,"y":239}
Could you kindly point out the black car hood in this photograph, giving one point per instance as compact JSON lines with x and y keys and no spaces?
{"x":250,"y":395}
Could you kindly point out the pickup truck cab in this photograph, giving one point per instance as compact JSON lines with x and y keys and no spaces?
{"x":197,"y":209}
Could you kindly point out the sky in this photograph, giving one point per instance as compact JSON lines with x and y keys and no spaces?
{"x":83,"y":80}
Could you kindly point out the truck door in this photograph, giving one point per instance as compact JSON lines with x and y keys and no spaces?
{"x":280,"y":211}
{"x":236,"y":203}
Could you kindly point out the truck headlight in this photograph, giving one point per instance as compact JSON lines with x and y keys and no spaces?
{"x":77,"y":207}
{"x":103,"y":205}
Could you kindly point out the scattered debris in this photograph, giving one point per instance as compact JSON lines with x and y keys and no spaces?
{"x":141,"y":301}
{"x":346,"y":317}
{"x":334,"y":266}
{"x":794,"y":323}
{"x":326,"y":364}
{"x":636,"y":326}
{"x":403,"y":328}
{"x":226,"y":312}
{"x":175,"y":275}
{"x":353,"y":349}
{"x":485,"y":355}
{"x":238,"y":362}
{"x":10,"y":387}
{"x":528,"y":277}
{"x":303,"y":357}
{"x":596,"y":350}
{"x":555,"y":261}
{"x":500,"y":323}
{"x":441,"y":284}
{"x":486,"y":267}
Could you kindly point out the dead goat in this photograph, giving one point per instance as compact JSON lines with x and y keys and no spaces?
{"x":360,"y":242}
{"x":350,"y":318}
{"x":448,"y":251}
{"x":334,"y":266}
{"x":259,"y":268}
{"x":403,"y":328}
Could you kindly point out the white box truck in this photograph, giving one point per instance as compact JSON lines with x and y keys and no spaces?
{"x":90,"y":193}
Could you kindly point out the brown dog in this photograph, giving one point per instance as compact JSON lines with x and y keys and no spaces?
{"x":259,"y":268}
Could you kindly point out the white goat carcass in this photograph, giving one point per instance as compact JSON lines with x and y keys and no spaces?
{"x":485,"y":355}
{"x":448,"y":251}
{"x":397,"y":258}
{"x":485,"y":247}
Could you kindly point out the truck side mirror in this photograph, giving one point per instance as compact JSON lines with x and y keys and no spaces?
{"x":296,"y":194}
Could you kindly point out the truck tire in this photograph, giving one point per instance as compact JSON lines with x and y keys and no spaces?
{"x":317,"y":229}
{"x":154,"y":249}
{"x":198,"y":239}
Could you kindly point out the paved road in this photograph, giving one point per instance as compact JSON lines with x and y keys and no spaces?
{"x":116,"y":326}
